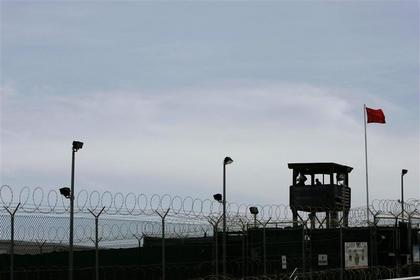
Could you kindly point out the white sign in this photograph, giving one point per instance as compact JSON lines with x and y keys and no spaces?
{"x":283,"y":262}
{"x":356,"y":254}
{"x":322,"y":259}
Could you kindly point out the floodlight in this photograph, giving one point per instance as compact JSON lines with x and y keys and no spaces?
{"x":218,"y":197}
{"x":404,"y":171}
{"x":227,"y":160}
{"x":253,"y":210}
{"x":77,"y":145}
{"x":65,"y":192}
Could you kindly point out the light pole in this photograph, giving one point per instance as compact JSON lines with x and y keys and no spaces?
{"x":218,"y":198}
{"x":69,"y":193}
{"x":226,"y":161}
{"x":403,"y":172}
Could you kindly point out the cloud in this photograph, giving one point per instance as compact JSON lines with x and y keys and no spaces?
{"x":174,"y":141}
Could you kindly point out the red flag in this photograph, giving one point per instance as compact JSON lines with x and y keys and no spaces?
{"x":375,"y":115}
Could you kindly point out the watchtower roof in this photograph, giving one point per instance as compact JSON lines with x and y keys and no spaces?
{"x":320,"y":168}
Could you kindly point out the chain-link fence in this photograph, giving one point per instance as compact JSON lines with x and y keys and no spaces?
{"x":34,"y":237}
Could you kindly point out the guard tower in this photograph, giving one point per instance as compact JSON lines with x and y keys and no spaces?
{"x":320,"y":187}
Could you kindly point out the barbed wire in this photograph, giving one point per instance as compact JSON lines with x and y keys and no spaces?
{"x":55,"y":229}
{"x":42,"y":221}
{"x":37,"y":200}
{"x":394,"y":207}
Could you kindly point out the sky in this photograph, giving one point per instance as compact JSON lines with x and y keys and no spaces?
{"x":161,"y":92}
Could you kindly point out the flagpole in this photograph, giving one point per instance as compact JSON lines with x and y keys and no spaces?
{"x":366,"y":166}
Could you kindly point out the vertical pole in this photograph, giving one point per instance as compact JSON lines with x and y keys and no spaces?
{"x":41,"y":246}
{"x":243,"y":254}
{"x":243,"y":247}
{"x":409,"y":246}
{"x":402,"y":197}
{"x":224,"y":220}
{"x":295,"y":216}
{"x":71,"y":217}
{"x":247,"y":249}
{"x":366,"y":166}
{"x":97,"y":241}
{"x":398,"y":240}
{"x":343,"y":202}
{"x":303,"y":251}
{"x":96,"y":250}
{"x":215,"y":225}
{"x":341,"y":253}
{"x":255,"y":220}
{"x":139,"y":239}
{"x":373,"y":258}
{"x":265,"y":247}
{"x":264,"y":225}
{"x":12,"y":246}
{"x":163,"y":241}
{"x":217,"y":253}
{"x":163,"y":249}
{"x":12,"y":240}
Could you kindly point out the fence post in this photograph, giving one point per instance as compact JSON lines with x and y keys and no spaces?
{"x":139,"y":239}
{"x":41,"y":245}
{"x":215,"y":223}
{"x":243,"y":228}
{"x":397,"y":246}
{"x":163,"y":241}
{"x":12,"y":239}
{"x":264,"y":245}
{"x":97,"y":241}
{"x":410,"y":245}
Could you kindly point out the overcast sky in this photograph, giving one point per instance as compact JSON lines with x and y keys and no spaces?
{"x":161,"y":92}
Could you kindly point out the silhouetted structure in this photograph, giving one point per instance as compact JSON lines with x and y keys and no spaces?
{"x":310,"y":245}
{"x":330,"y":193}
{"x":189,"y":258}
